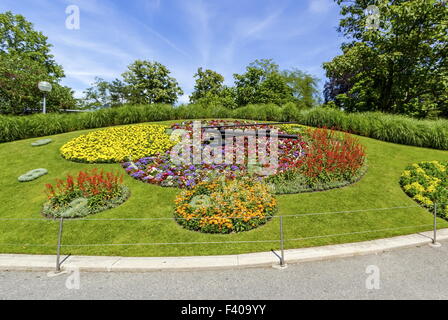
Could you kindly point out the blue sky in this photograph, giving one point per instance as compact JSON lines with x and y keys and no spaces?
{"x":222,"y":35}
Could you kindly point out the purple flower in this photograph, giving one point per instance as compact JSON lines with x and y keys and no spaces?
{"x":138,"y":174}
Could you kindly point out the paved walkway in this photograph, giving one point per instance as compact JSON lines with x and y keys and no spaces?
{"x":410,"y":273}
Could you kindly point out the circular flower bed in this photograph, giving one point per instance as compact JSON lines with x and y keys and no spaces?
{"x":118,"y":144}
{"x":87,"y":193}
{"x":224,"y":206}
{"x":320,"y":159}
{"x":427,"y":183}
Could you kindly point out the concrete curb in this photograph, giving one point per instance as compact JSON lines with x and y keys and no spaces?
{"x":19,"y":262}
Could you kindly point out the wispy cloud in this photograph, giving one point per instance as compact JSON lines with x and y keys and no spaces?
{"x":263,"y":24}
{"x":320,"y":6}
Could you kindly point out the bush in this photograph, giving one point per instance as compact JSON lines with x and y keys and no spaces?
{"x":381,"y":126}
{"x":385,"y":127}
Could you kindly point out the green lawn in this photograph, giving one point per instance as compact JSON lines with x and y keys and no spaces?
{"x":379,"y":188}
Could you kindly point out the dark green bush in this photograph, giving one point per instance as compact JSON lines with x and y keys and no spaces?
{"x":386,"y":127}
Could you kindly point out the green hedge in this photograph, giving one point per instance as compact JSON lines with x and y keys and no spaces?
{"x":386,"y":127}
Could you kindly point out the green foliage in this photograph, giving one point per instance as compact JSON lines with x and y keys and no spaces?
{"x":81,"y":207}
{"x":103,"y":93}
{"x":304,"y":87}
{"x":427,"y":184}
{"x":18,"y":83}
{"x":377,"y":125}
{"x":149,"y":82}
{"x":25,"y":60}
{"x":381,"y":126}
{"x":18,"y":37}
{"x":400,"y":68}
{"x":19,"y":77}
{"x":262,"y":83}
{"x":208,"y":83}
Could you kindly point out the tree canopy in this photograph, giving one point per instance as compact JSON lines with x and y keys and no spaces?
{"x":150,"y":82}
{"x":18,"y":37}
{"x":25,"y":60}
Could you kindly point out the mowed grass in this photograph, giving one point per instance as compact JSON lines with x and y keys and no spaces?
{"x":379,"y":188}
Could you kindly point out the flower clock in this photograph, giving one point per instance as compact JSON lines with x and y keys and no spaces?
{"x":216,"y":197}
{"x":318,"y":160}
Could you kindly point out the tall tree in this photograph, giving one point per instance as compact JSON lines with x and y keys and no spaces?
{"x":18,"y":37}
{"x":150,"y":82}
{"x":399,"y":66}
{"x":25,"y":59}
{"x":103,"y":93}
{"x":18,"y":87}
{"x":304,"y":86}
{"x":262,"y":83}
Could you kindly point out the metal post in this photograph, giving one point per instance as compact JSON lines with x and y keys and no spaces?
{"x":58,"y":265}
{"x":282,"y":260}
{"x":45,"y":105}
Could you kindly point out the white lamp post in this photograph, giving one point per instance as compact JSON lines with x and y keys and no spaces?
{"x":45,"y":87}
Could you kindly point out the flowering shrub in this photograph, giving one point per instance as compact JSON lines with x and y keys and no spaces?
{"x":117,"y":144}
{"x":332,"y":155}
{"x":224,"y":206}
{"x":96,"y":191}
{"x":427,"y":183}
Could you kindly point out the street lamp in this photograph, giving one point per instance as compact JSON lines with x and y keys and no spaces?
{"x":45,"y":87}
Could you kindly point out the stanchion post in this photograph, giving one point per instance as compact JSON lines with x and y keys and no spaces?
{"x":282,"y":240}
{"x":58,"y":253}
{"x":434,"y":241}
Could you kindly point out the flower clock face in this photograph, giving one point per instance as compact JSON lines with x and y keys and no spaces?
{"x":427,"y":183}
{"x":320,"y":155}
{"x":161,"y":170}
